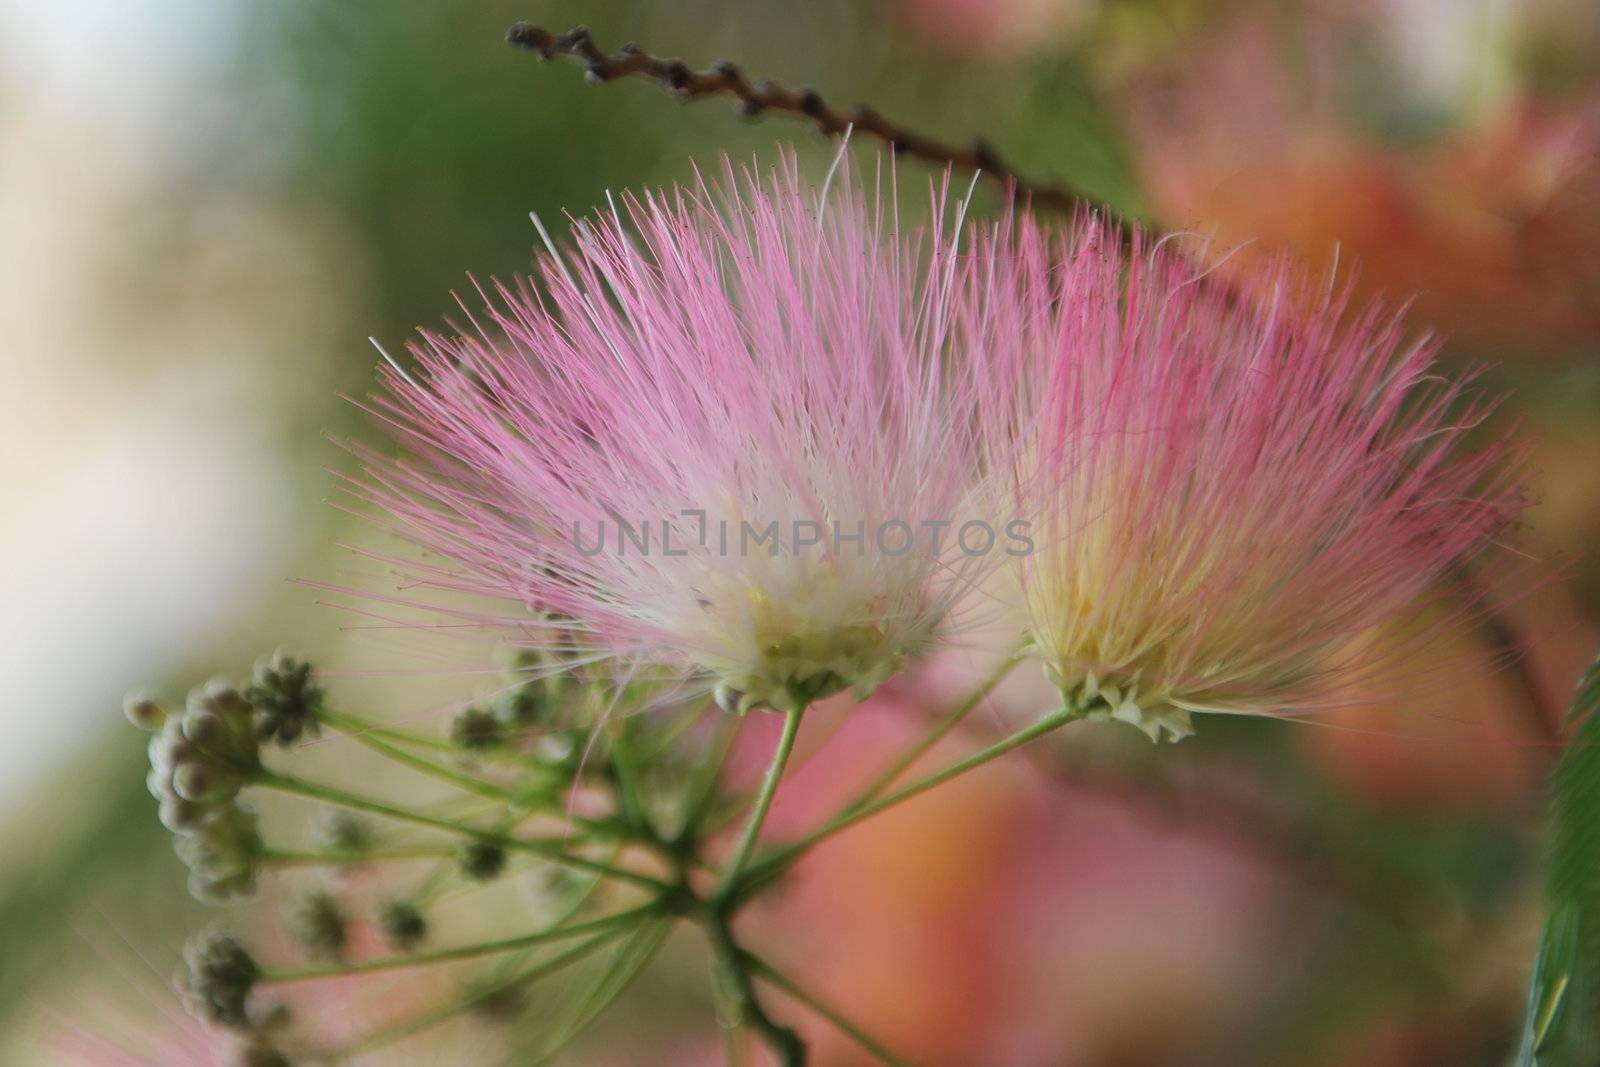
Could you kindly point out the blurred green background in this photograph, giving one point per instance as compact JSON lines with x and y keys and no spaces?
{"x":207,"y":207}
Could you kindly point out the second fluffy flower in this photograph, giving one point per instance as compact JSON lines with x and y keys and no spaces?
{"x":1231,"y":490}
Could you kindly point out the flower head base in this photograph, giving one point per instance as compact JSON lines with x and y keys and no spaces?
{"x":1099,"y":703}
{"x":1229,"y":491}
{"x":685,"y":452}
{"x":796,"y":667}
{"x":199,"y":761}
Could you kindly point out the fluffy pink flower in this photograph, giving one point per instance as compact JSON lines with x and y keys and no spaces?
{"x":696,"y":447}
{"x":1230,"y":492}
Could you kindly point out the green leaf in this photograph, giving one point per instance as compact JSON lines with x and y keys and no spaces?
{"x":1564,"y":997}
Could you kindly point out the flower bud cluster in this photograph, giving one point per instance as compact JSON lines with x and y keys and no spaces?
{"x":482,"y":861}
{"x":536,"y":704}
{"x":338,"y":830}
{"x":317,"y":924}
{"x":285,"y":699}
{"x":219,"y":975}
{"x":541,"y":700}
{"x":199,"y":761}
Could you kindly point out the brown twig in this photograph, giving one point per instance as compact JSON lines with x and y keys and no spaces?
{"x":761,"y":97}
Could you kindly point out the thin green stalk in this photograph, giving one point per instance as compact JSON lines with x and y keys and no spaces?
{"x":365,"y":733}
{"x":461,"y":952}
{"x":779,"y":860}
{"x":277,"y":857}
{"x":470,"y":1000}
{"x":945,"y":724}
{"x":949,"y":721}
{"x":630,"y":961}
{"x":767,"y":972}
{"x":769,"y":789}
{"x":549,"y":850}
{"x":735,"y":1050}
{"x":568,"y":909}
{"x":738,"y":991}
{"x":346,"y":723}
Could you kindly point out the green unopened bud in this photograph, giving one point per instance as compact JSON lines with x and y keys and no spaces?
{"x":521,"y":708}
{"x":203,"y":784}
{"x":143,"y":711}
{"x":222,"y":849}
{"x":475,"y":729}
{"x":729,"y":699}
{"x":285,"y":699}
{"x":220,"y":888}
{"x":482,"y":861}
{"x":403,"y":925}
{"x":500,"y":1004}
{"x":192,"y":781}
{"x":220,"y":698}
{"x":537,"y":702}
{"x":179,"y":815}
{"x":341,"y":831}
{"x":168,"y":747}
{"x":204,"y":727}
{"x":220,"y":975}
{"x":213,"y":731}
{"x":317,"y":925}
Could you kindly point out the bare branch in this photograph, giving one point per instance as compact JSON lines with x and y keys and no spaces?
{"x":761,"y":96}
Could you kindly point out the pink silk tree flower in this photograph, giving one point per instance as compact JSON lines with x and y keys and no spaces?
{"x":1230,"y":491}
{"x":724,"y":437}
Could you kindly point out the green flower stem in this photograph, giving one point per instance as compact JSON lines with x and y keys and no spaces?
{"x":464,"y":952}
{"x":466,"y":1002}
{"x":765,"y":971}
{"x":345,"y":722}
{"x":368,"y":734}
{"x":769,"y":789}
{"x":739,"y":994}
{"x":734,"y":1052}
{"x":943,"y":726}
{"x":949,"y":721}
{"x":276,"y":857}
{"x":627,"y":963}
{"x":780,"y":860}
{"x":547,"y":849}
